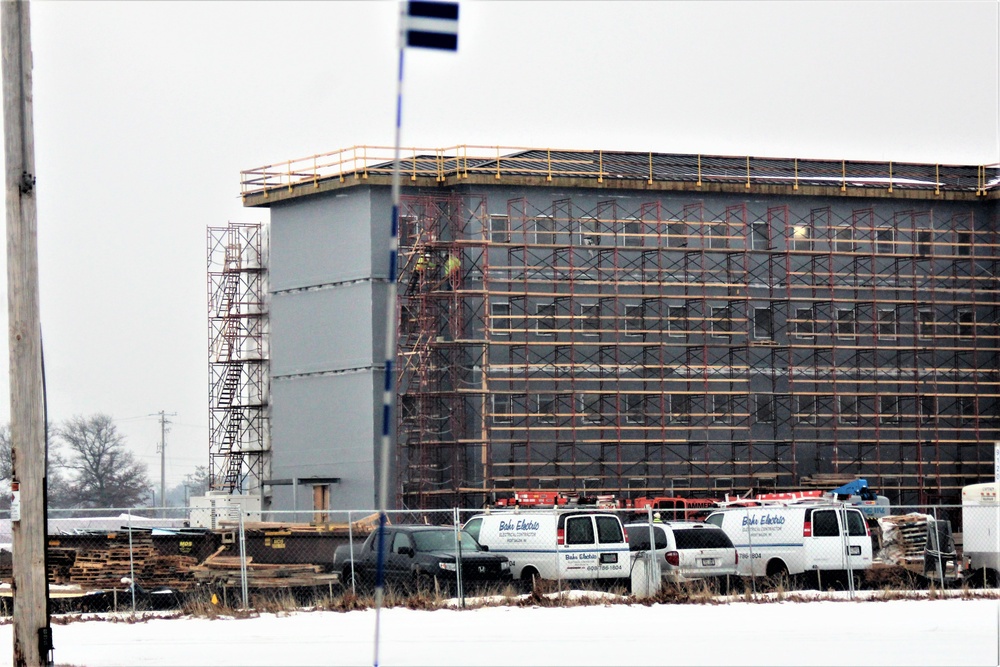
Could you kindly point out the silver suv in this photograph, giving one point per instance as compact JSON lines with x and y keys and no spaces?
{"x":686,"y":550}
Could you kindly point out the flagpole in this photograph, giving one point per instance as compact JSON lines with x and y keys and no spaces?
{"x":388,"y":394}
{"x":429,"y":25}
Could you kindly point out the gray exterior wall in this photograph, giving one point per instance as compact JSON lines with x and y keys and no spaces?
{"x":327,"y":277}
{"x":327,"y":314}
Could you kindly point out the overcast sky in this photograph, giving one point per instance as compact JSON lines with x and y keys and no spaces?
{"x":145,"y":114}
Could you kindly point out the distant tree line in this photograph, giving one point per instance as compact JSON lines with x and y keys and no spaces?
{"x":90,"y":466}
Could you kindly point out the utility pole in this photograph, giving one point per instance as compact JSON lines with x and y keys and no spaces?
{"x":163,"y":457}
{"x":32,"y":634}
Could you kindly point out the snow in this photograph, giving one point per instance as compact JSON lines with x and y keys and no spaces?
{"x":819,"y":632}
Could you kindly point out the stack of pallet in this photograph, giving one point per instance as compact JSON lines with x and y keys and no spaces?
{"x":223,"y":568}
{"x":114,"y":558}
{"x":170,"y":571}
{"x":904,"y":538}
{"x":59,"y":562}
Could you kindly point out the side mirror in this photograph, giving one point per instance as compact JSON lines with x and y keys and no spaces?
{"x":484,"y":547}
{"x":406,"y":551}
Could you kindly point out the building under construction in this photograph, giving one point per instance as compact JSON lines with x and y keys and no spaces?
{"x":616,"y":322}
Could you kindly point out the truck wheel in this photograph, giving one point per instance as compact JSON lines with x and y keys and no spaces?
{"x":984,"y":578}
{"x":352,"y":582}
{"x":777,"y":573}
{"x":425,"y":583}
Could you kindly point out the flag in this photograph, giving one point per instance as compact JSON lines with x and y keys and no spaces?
{"x":431,"y":25}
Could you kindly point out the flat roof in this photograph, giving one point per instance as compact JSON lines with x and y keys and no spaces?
{"x":496,"y":165}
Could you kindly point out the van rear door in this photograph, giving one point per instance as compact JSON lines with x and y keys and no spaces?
{"x":825,"y":545}
{"x":578,"y":555}
{"x":613,"y":549}
{"x":859,"y":549}
{"x":593,"y":547}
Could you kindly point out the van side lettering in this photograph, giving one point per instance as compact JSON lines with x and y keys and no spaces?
{"x":764,"y":520}
{"x":522,"y":524}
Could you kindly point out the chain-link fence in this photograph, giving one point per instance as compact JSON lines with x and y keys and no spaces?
{"x":135,"y":559}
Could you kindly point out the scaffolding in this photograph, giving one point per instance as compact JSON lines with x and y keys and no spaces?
{"x":669,"y":347}
{"x":238,"y":354}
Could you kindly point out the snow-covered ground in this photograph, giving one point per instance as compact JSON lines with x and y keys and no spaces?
{"x":821,"y":632}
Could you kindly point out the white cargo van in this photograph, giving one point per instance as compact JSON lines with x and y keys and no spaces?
{"x":981,"y":533}
{"x":555,"y":544}
{"x":794,"y":538}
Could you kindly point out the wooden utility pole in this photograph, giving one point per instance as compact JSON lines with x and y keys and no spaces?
{"x":32,"y":635}
{"x":163,"y":459}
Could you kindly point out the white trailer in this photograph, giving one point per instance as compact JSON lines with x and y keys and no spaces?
{"x":981,"y":533}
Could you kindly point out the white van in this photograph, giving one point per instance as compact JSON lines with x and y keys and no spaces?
{"x":981,"y":533}
{"x":791,"y":539}
{"x":555,"y":544}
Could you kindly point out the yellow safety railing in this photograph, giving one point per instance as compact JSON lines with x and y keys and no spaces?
{"x":461,"y":161}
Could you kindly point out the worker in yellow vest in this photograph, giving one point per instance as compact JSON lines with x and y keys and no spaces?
{"x":451,"y":268}
{"x":422,"y":268}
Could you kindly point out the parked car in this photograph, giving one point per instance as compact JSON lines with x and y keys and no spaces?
{"x":687,"y":550}
{"x":422,"y":557}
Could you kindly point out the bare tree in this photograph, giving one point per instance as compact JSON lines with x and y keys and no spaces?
{"x":197,"y":482}
{"x":104,"y":473}
{"x":58,"y":489}
{"x":6,"y":463}
{"x":194,"y":484}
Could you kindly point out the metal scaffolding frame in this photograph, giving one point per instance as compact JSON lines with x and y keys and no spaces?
{"x":696,"y":351}
{"x":238,"y":357}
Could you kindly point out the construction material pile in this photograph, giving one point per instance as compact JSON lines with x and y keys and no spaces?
{"x":224,"y":568}
{"x":114,"y":557}
{"x":904,"y":538}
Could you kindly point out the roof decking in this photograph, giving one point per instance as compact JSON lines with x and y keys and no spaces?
{"x":616,"y":169}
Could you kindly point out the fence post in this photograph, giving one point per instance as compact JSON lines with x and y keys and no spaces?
{"x":350,"y":549}
{"x":458,"y":561}
{"x":131,"y":561}
{"x":753,"y":574}
{"x":937,"y":550}
{"x":559,"y":557}
{"x":846,"y":541}
{"x":651,"y":552}
{"x":243,"y":562}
